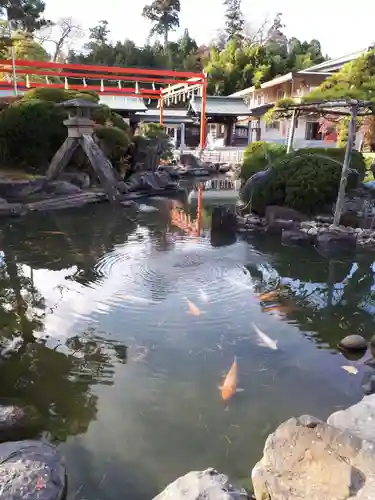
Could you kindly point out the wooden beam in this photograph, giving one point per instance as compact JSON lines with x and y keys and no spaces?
{"x":346,"y":165}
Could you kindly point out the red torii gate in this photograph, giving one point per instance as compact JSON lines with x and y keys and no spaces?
{"x":108,"y":75}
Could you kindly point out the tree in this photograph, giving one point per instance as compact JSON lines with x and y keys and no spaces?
{"x":234,"y":20}
{"x":99,"y":34}
{"x":164,"y":14}
{"x":24,"y":15}
{"x":61,"y":35}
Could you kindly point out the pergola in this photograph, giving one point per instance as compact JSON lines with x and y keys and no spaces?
{"x":331,"y":108}
{"x":162,"y":85}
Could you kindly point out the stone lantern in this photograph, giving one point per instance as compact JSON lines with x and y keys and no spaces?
{"x":80,"y":131}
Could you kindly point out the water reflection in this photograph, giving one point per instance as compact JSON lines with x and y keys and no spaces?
{"x":121,"y":372}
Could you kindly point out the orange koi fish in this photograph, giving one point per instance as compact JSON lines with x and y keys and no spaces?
{"x":229,"y":388}
{"x":193,"y":309}
{"x":273,"y":294}
{"x":280,"y":309}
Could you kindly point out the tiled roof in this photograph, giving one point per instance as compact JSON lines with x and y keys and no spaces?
{"x":173,"y":115}
{"x":220,"y":106}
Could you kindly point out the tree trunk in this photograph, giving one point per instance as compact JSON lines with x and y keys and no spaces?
{"x":166,"y":32}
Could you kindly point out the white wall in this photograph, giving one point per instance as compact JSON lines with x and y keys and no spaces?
{"x":281,"y":135}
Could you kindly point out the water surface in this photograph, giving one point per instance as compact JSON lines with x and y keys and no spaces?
{"x":126,"y":380}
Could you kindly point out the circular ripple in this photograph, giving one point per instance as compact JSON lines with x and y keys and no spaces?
{"x":193,"y":270}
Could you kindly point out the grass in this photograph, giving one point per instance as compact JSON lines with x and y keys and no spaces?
{"x":16,"y":175}
{"x":369,"y":159}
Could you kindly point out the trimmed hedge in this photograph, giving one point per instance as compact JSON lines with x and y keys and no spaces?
{"x":258,"y":155}
{"x":307,"y":180}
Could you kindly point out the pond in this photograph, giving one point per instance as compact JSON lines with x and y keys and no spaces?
{"x":126,"y":378}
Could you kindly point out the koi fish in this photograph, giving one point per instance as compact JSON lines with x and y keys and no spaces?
{"x":264,"y":340}
{"x":193,"y":309}
{"x":273,"y":294}
{"x":350,"y":369}
{"x":229,"y":387}
{"x":203,"y":296}
{"x":280,"y":309}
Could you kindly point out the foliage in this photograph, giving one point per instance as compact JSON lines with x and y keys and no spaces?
{"x":307,"y":180}
{"x":25,"y":15}
{"x":164,"y":14}
{"x":259,"y":155}
{"x":234,"y":20}
{"x":158,"y":137}
{"x":114,"y":143}
{"x":59,"y":95}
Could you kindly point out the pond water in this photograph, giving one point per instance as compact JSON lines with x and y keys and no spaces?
{"x":126,"y":380}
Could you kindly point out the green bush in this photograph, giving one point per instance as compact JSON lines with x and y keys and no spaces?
{"x":157,"y":137}
{"x":258,"y":155}
{"x":307,"y":180}
{"x":59,"y":95}
{"x":119,"y":122}
{"x":115,"y":143}
{"x":102,"y":114}
{"x":31,"y":131}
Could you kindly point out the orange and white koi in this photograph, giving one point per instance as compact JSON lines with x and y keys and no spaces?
{"x":273,"y":294}
{"x":229,"y":387}
{"x":193,"y":309}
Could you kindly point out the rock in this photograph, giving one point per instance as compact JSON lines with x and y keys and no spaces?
{"x":79,"y":179}
{"x":353,"y":343}
{"x":147,"y":208}
{"x":205,"y":485}
{"x":334,"y":241}
{"x":122,"y":187}
{"x":17,"y":422}
{"x":309,"y":459}
{"x":31,"y":470}
{"x":313,"y":231}
{"x":296,"y":237}
{"x":61,"y":187}
{"x":368,"y":383}
{"x":13,"y":190}
{"x":358,"y":419}
{"x":285,"y":213}
{"x":12,"y":210}
{"x":278,"y":225}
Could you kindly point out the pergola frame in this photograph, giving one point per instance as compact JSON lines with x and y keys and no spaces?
{"x":336,"y":108}
{"x":170,"y":83}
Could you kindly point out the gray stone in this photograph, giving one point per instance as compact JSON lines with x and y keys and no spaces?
{"x":12,"y":210}
{"x":31,"y":470}
{"x":122,"y":187}
{"x":61,"y":187}
{"x":336,"y":241}
{"x":309,"y":459}
{"x":17,"y":422}
{"x":285,"y":213}
{"x":277,"y":226}
{"x":203,"y":485}
{"x":79,"y":179}
{"x":358,"y":419}
{"x":296,"y":237}
{"x":368,"y":383}
{"x":353,"y":343}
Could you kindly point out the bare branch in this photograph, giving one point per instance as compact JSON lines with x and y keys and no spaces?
{"x":62,"y":35}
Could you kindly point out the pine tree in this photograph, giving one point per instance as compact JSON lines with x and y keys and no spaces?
{"x":234,"y":20}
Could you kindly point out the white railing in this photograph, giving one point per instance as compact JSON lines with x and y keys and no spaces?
{"x":220,"y":185}
{"x":232,"y":156}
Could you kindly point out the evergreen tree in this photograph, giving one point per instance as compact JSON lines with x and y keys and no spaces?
{"x":234,"y":20}
{"x":164,"y":14}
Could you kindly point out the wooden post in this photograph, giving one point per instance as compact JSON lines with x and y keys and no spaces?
{"x":161,"y":111}
{"x":203,"y":115}
{"x":346,"y":165}
{"x":292,"y":129}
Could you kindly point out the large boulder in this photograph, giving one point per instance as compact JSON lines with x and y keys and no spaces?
{"x":202,"y":485}
{"x":358,"y":419}
{"x":31,"y":470}
{"x":296,"y":238}
{"x":61,"y":187}
{"x":306,"y":458}
{"x":285,"y":213}
{"x":333,"y":241}
{"x":18,"y":422}
{"x":79,"y":179}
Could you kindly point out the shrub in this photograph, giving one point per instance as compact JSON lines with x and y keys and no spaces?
{"x":114,"y":142}
{"x":258,"y":155}
{"x":59,"y":95}
{"x":158,"y":138}
{"x":307,"y":180}
{"x":102,"y":114}
{"x":31,"y":131}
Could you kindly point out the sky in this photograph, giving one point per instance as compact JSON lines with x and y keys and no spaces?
{"x":341,"y":26}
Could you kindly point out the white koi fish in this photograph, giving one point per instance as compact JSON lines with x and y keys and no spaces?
{"x":264,"y":340}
